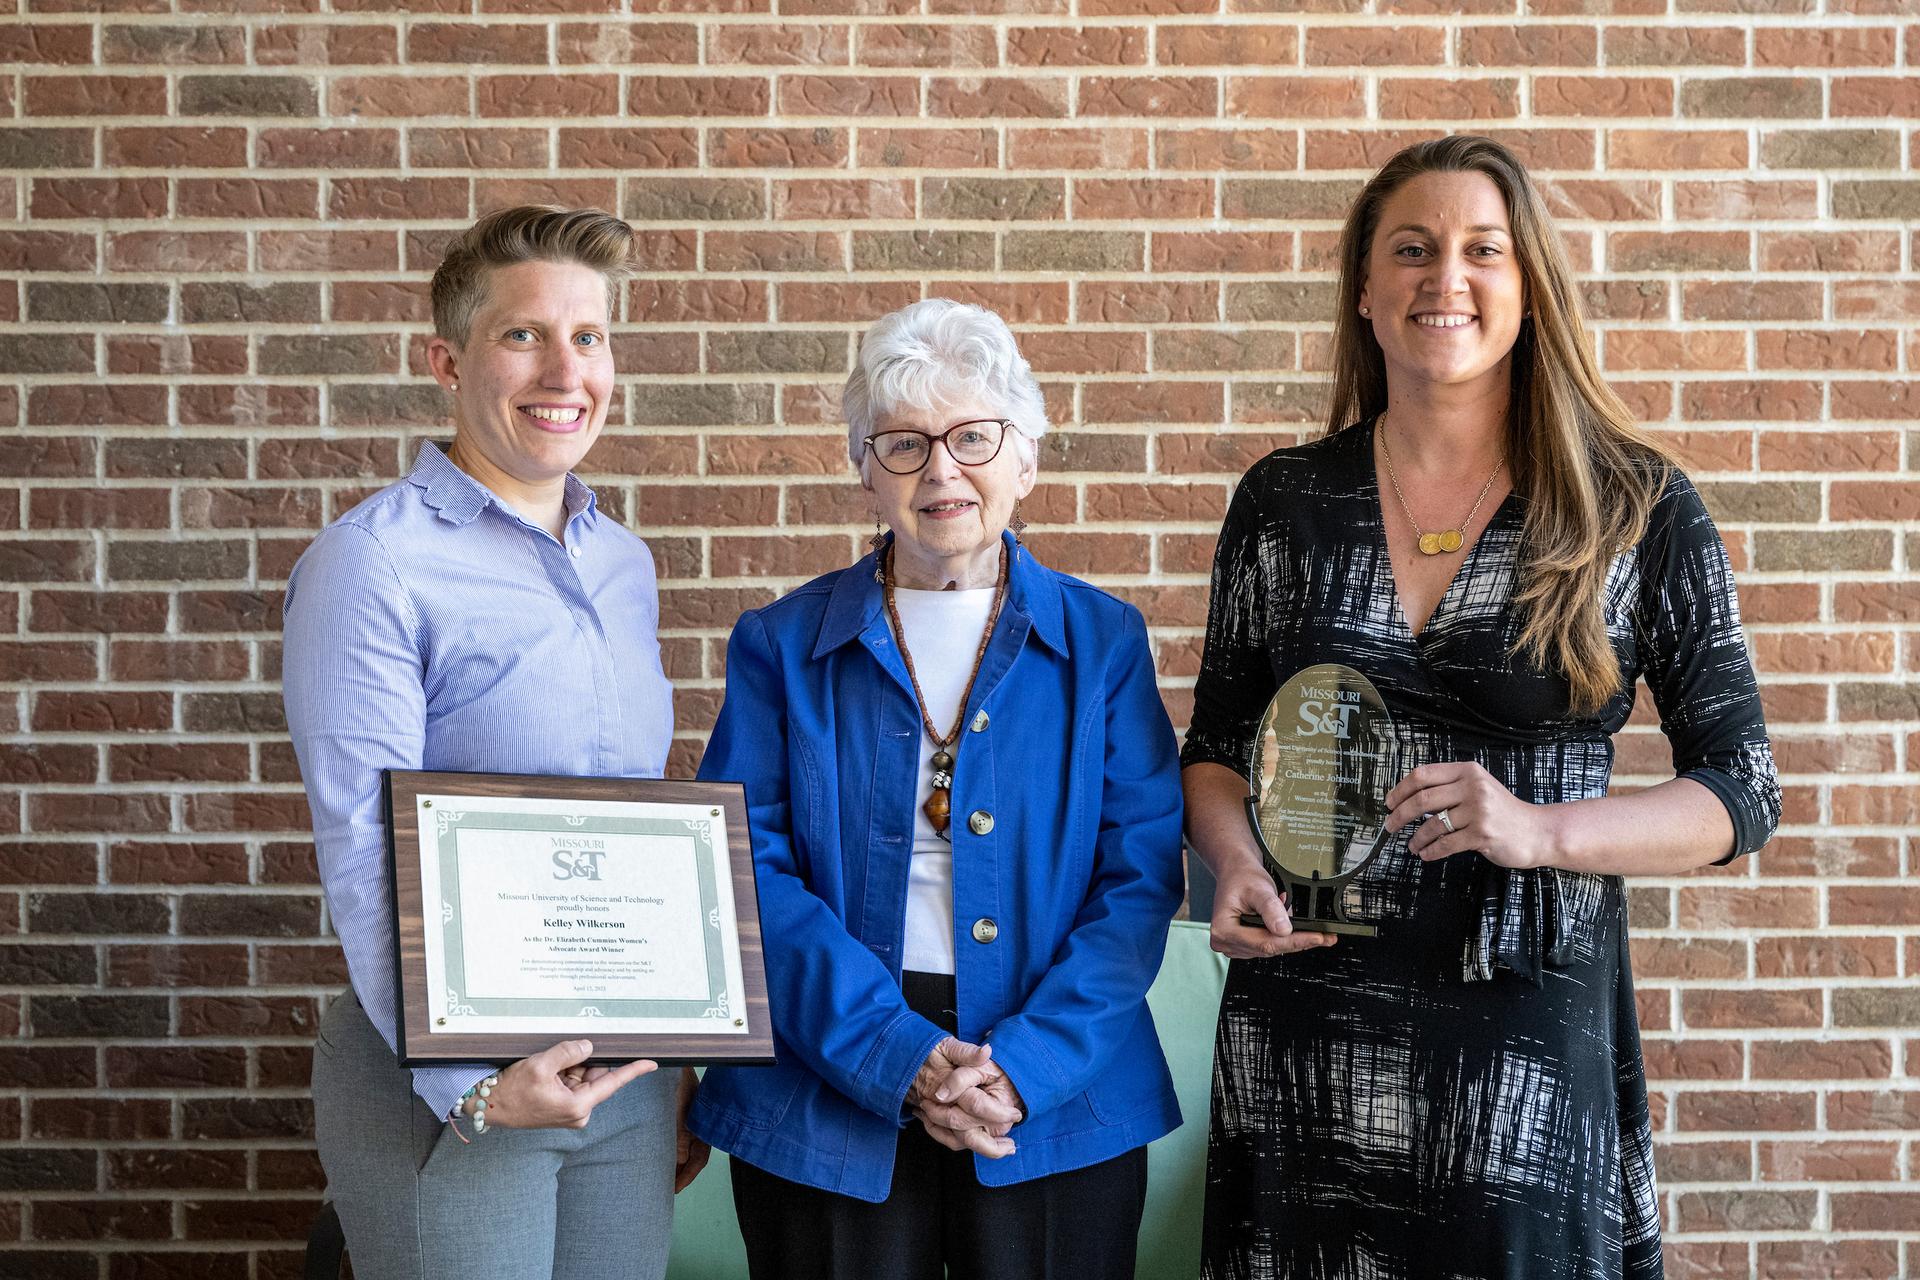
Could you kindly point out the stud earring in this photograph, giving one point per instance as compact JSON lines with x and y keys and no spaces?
{"x":453,"y":386}
{"x":1365,"y":312}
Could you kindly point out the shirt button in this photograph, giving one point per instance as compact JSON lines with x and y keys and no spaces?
{"x":985,"y":930}
{"x":575,"y":550}
{"x":980,"y":722}
{"x":980,"y":822}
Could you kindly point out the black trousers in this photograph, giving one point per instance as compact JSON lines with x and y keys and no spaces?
{"x":938,"y":1220}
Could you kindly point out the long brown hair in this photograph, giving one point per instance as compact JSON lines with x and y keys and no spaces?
{"x":1589,"y":473}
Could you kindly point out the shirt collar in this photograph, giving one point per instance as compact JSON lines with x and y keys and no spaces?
{"x":1033,"y":594}
{"x":458,"y":497}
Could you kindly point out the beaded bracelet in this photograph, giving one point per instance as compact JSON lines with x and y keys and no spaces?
{"x":479,"y":1093}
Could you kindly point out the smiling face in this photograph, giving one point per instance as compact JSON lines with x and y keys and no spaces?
{"x":535,"y":373}
{"x":1444,"y":289}
{"x":947,"y":518}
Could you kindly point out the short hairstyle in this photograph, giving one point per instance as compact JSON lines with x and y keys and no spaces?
{"x":934,"y":350}
{"x":525,"y":233}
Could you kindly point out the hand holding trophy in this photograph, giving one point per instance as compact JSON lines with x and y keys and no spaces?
{"x":1318,"y":809}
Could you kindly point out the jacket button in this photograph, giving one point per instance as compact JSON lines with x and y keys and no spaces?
{"x":985,"y":930}
{"x":980,"y":822}
{"x":980,"y":722}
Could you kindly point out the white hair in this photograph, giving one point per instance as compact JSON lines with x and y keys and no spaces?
{"x":937,"y":351}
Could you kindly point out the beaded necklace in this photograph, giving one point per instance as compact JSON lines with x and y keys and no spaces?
{"x":939,"y":805}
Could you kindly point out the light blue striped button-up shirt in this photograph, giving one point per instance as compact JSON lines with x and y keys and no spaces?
{"x":431,"y":627}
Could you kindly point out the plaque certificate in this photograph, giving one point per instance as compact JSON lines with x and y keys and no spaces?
{"x":1318,"y":806}
{"x":537,"y":909}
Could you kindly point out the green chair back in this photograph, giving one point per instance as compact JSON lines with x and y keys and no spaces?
{"x":1185,"y":1000}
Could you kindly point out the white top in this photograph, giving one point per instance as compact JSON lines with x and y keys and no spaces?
{"x":943,"y":631}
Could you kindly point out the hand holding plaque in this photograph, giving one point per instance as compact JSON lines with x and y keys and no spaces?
{"x":619,"y":911}
{"x":1318,"y":809}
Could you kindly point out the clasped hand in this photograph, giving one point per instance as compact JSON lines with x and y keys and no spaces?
{"x":1487,"y":818}
{"x":965,"y":1101}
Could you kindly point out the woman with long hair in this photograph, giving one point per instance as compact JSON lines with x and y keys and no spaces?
{"x":1489,"y":538}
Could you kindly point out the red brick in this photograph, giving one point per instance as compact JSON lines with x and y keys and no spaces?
{"x":305,"y":45}
{"x":1874,"y":1210}
{"x":925,"y":45}
{"x":396,"y":97}
{"x":807,"y":199}
{"x":249,"y":198}
{"x":1751,"y":1008}
{"x":1143,"y":198}
{"x":1743,"y":1110}
{"x":96,"y":95}
{"x":1821,"y":1059}
{"x":1413,"y":98}
{"x":1725,"y":200}
{"x":158,"y":147}
{"x":1113,"y":147}
{"x":472,"y":42}
{"x":699,"y":97}
{"x":1675,"y":46}
{"x":1827,"y":1259}
{"x":943,"y":149}
{"x":1087,"y":46}
{"x":1824,"y":47}
{"x":781,"y":44}
{"x":864,"y":95}
{"x":1017,"y":304}
{"x":1295,"y":97}
{"x":1157,"y":96}
{"x":1381,"y":45}
{"x":518,"y":97}
{"x":832,"y":302}
{"x":1010,"y":97}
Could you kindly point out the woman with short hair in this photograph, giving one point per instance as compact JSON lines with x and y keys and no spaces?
{"x":483,"y":615}
{"x":966,"y":820}
{"x":1487,"y":536}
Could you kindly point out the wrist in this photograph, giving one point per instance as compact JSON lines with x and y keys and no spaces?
{"x":1557,"y":845}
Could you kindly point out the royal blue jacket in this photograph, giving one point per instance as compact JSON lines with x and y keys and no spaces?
{"x":1066,"y":836}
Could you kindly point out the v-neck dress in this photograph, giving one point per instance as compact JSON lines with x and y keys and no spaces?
{"x":1461,"y":1095}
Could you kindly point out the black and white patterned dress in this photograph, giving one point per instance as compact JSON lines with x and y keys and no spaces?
{"x":1462,"y":1095}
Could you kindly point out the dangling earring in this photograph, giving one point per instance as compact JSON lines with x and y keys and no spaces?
{"x":878,"y":542}
{"x":1016,"y":524}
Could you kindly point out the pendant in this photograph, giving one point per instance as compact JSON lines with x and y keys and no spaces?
{"x":939,"y":810}
{"x":939,"y":805}
{"x":1450,"y":540}
{"x":1429,"y":544}
{"x":1446,"y":541}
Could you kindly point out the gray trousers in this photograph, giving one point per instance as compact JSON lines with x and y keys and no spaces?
{"x":518,"y":1204}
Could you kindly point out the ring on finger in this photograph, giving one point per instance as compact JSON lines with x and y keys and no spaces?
{"x":1445,"y":821}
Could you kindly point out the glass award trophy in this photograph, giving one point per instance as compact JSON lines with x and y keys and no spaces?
{"x":1320,"y":778}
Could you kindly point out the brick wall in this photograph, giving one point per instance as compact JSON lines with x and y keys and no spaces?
{"x":214,"y":236}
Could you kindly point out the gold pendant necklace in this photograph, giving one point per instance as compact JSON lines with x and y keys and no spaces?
{"x":1445,"y":541}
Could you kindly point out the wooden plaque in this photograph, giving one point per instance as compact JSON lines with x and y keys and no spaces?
{"x":535,"y":909}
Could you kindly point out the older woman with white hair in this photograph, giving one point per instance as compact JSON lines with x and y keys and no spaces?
{"x":966,"y":818}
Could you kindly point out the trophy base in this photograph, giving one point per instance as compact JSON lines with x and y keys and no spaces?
{"x":1253,"y":921}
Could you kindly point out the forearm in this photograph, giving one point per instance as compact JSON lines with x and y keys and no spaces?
{"x":1216,"y":818}
{"x":1667,"y":830}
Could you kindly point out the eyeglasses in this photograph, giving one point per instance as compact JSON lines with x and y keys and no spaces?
{"x":971,"y":444}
